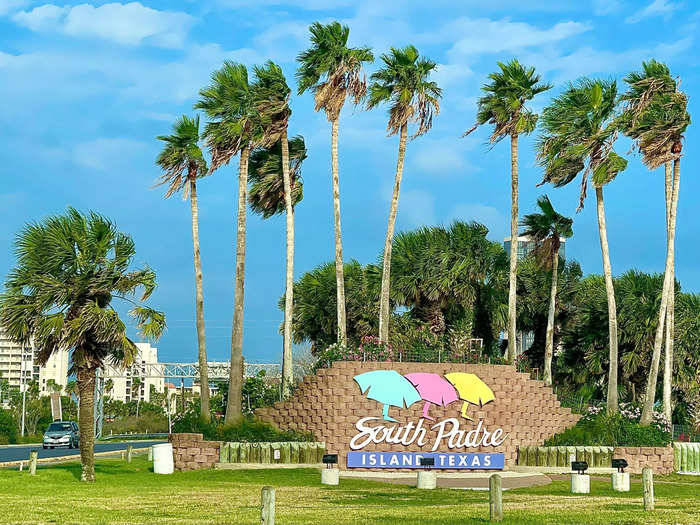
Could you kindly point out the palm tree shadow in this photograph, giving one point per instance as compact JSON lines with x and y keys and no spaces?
{"x":74,"y":469}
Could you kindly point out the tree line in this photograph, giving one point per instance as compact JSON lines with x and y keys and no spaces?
{"x":249,"y":117}
{"x":71,"y":267}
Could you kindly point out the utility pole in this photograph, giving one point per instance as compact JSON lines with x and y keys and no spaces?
{"x":23,"y":386}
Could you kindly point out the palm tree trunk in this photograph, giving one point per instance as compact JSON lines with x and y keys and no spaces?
{"x":513,"y":273}
{"x":199,"y":303}
{"x":86,"y":421}
{"x":233,"y":404}
{"x":668,"y":291}
{"x":287,"y":365}
{"x":549,"y":340}
{"x":612,"y":402}
{"x":670,"y":307}
{"x":384,"y":310}
{"x":650,"y":394}
{"x":339,"y":271}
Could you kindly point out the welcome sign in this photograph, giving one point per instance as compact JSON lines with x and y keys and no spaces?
{"x":391,"y":389}
{"x":387,"y":415}
{"x":468,"y":460}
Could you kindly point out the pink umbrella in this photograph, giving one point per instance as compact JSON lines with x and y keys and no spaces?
{"x":434,"y":389}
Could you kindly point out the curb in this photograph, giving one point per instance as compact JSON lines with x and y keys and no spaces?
{"x":61,"y":459}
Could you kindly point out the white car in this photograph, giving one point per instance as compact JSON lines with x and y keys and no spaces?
{"x":62,"y":434}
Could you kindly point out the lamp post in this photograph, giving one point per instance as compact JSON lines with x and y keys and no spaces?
{"x":23,"y":387}
{"x":426,"y":478}
{"x":620,"y":479}
{"x":330,"y":475}
{"x":580,"y":481}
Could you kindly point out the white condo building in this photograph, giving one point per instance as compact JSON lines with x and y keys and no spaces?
{"x":123,"y":379}
{"x":18,"y":365}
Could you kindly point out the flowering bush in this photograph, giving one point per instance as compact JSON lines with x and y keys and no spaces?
{"x":623,"y":429}
{"x":632,"y":413}
{"x":371,"y":348}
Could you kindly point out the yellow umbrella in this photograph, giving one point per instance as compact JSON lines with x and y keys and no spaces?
{"x":471,"y":389}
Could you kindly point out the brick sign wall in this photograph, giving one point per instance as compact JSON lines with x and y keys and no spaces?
{"x":331,"y":403}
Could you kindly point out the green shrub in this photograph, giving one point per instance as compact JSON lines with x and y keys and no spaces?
{"x":249,"y":430}
{"x":31,"y":438}
{"x":612,"y":431}
{"x":146,"y":422}
{"x":8,"y":428}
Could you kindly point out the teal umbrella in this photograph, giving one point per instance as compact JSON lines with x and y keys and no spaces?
{"x":389,"y":388}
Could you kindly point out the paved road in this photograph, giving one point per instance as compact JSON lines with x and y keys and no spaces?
{"x":19,"y":453}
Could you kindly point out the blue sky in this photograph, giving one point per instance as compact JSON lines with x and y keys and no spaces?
{"x":85,"y":88}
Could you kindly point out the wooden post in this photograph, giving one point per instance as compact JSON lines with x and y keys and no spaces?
{"x":495,"y":498}
{"x":267,"y":509}
{"x":33,"y":455}
{"x":129,"y":450}
{"x":648,"y":482}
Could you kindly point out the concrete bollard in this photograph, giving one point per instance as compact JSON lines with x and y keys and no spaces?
{"x":580,"y":483}
{"x":648,"y":485}
{"x":621,"y":481}
{"x":150,"y":453}
{"x":495,"y":498}
{"x":129,"y":451}
{"x":33,"y":455}
{"x":267,"y":508}
{"x":427,"y":479}
{"x":330,"y":476}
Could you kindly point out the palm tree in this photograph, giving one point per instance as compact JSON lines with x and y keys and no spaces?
{"x":235,"y":127}
{"x":503,"y":105}
{"x":547,"y":229}
{"x":333,"y":72}
{"x":136,"y":385}
{"x":656,"y":117}
{"x":314,"y":318}
{"x":182,"y":162}
{"x":268,"y":196}
{"x":578,"y":136}
{"x":403,"y":84}
{"x":437,"y":270}
{"x":59,"y":296}
{"x":72,"y":388}
{"x":109,"y":387}
{"x":272,"y":100}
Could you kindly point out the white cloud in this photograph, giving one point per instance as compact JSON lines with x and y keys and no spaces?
{"x":128,"y":24}
{"x":283,"y":40}
{"x":605,"y":7}
{"x":309,"y":5}
{"x":482,"y":35}
{"x":451,"y":74}
{"x":9,"y":6}
{"x":77,"y":74}
{"x":416,"y":208}
{"x":439,"y":157}
{"x":589,"y":61}
{"x":491,"y":217}
{"x":106,"y":153}
{"x":656,"y":8}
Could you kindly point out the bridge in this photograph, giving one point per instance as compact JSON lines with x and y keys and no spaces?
{"x":216,"y":369}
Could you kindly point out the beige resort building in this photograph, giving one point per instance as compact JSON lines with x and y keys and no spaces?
{"x":18,"y":365}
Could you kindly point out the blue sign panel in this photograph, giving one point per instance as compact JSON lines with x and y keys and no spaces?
{"x":451,"y":460}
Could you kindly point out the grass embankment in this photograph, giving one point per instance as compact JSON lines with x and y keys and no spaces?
{"x":131,"y":493}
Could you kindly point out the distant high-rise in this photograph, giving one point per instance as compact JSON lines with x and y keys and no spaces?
{"x":123,"y":378}
{"x":18,"y":365}
{"x":526,"y":245}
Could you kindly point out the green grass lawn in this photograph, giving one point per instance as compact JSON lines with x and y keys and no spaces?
{"x":131,"y":493}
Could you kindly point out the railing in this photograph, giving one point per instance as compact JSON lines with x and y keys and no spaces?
{"x":685,"y":433}
{"x":152,"y":435}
